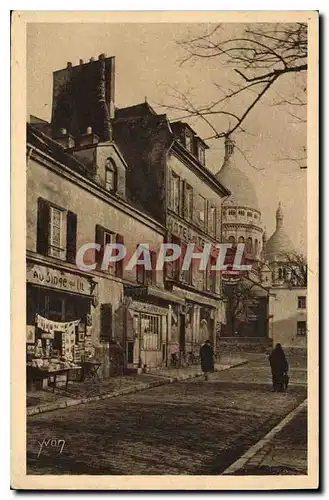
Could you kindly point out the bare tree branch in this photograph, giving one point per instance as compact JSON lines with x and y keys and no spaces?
{"x":261,"y":55}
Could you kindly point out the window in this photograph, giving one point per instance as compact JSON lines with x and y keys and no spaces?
{"x":151,"y":331}
{"x":104,"y":237}
{"x":212,"y":275}
{"x":147,"y":276}
{"x":212,"y":220}
{"x":201,"y":154}
{"x":174,"y":192}
{"x":110,"y":175}
{"x":232,"y":212}
{"x":241,"y":212}
{"x":302,"y":302}
{"x":249,"y":214}
{"x":301,"y":328}
{"x":188,"y":201}
{"x":249,"y":245}
{"x":56,"y":236}
{"x":255,"y":216}
{"x":56,"y":231}
{"x":185,"y":276}
{"x":188,"y":141}
{"x":280,"y":273}
{"x":200,"y":211}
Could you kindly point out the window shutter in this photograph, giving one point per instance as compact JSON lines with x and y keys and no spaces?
{"x":185,"y":202}
{"x":71,"y":237}
{"x":99,"y":237}
{"x":170,"y":190}
{"x":106,"y":320}
{"x":119,"y":264}
{"x":153,"y":264}
{"x":43,"y":226}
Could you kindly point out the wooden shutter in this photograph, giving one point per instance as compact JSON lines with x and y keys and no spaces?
{"x":119,"y":264}
{"x":153,"y":265}
{"x":106,"y":320}
{"x":43,"y":226}
{"x":71,"y":237}
{"x":99,"y":238}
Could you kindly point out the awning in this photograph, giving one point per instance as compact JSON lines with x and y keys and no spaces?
{"x":143,"y":292}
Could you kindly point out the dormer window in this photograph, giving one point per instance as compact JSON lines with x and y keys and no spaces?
{"x":110,"y":175}
{"x":201,"y":154}
{"x":188,"y":141}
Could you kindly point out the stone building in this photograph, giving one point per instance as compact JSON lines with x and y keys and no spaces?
{"x":241,"y":223}
{"x":169,"y":178}
{"x":97,"y":174}
{"x":76,"y":195}
{"x":288,"y":290}
{"x":276,"y":312}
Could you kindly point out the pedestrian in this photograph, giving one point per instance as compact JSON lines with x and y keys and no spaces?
{"x":279,"y":368}
{"x":207,"y":359}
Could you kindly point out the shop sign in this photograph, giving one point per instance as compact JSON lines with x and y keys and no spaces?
{"x":136,"y":292}
{"x":148,"y":308}
{"x":60,"y":280}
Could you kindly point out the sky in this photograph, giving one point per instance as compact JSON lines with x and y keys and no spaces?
{"x":148,"y":67}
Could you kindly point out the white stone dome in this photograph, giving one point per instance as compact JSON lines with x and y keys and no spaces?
{"x":279,"y":243}
{"x":243,"y":192}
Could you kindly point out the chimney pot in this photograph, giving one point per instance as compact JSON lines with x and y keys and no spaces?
{"x":101,"y":56}
{"x":92,"y":59}
{"x":69,"y":65}
{"x":63,"y":131}
{"x":81,"y":61}
{"x":89,"y":130}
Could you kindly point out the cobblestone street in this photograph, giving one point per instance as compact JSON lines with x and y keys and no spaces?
{"x":191,"y":427}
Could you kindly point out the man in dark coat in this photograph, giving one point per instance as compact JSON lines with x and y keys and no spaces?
{"x":279,"y":368}
{"x":207,"y":359}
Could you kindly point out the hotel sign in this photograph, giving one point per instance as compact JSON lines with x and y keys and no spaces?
{"x":59,"y":280}
{"x":186,"y":233}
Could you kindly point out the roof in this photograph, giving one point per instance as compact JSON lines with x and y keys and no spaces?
{"x":243,"y":192}
{"x":142,"y":109}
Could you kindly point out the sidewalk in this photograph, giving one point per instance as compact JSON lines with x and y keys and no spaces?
{"x":283,"y":453}
{"x":84,"y":392}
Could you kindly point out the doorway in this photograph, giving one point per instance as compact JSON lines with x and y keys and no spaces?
{"x":182,"y":333}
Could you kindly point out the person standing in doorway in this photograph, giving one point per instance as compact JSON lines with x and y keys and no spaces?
{"x":207,"y":359}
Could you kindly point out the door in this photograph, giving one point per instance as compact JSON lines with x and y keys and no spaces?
{"x":182,"y":333}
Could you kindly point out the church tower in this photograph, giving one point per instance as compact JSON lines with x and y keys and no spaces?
{"x":241,"y":217}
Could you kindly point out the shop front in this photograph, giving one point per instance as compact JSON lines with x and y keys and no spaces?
{"x":59,"y":321}
{"x":148,"y":313}
{"x":192,"y":323}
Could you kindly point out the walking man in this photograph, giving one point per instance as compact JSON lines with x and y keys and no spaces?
{"x":207,"y":359}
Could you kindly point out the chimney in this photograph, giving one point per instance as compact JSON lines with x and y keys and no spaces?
{"x":65,"y":139}
{"x":83,"y":96}
{"x":69,"y":65}
{"x":80,"y":61}
{"x":88,"y":138}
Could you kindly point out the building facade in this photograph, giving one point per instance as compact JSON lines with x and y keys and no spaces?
{"x":288,"y":289}
{"x":168,"y":169}
{"x":98,"y":174}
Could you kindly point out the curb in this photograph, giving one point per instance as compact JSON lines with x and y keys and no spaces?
{"x":35,"y":410}
{"x":249,"y":454}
